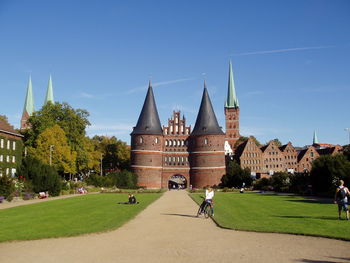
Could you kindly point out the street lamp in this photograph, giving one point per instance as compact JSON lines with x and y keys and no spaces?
{"x":101,"y":164}
{"x":348,"y":130}
{"x":51,"y":149}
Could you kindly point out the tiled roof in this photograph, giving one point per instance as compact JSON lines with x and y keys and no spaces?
{"x":7,"y":128}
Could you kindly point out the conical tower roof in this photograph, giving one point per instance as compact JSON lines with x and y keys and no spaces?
{"x":29,"y":101}
{"x":49,"y":93}
{"x":315,"y":140}
{"x":232,"y":100}
{"x":206,"y":122}
{"x":148,"y":122}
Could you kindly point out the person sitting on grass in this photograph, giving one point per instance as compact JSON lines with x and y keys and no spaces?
{"x":131,"y":201}
{"x":341,"y":198}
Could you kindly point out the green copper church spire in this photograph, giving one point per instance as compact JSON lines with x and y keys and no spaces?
{"x":49,"y":92}
{"x":315,"y":140}
{"x":232,"y":100}
{"x":29,"y":102}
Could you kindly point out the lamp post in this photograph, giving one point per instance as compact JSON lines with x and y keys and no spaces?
{"x":51,"y":149}
{"x":348,"y":130}
{"x":101,"y":164}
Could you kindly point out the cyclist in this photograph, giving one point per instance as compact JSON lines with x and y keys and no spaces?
{"x":209,"y":195}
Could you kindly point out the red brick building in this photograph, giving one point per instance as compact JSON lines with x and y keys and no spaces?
{"x":174,"y":155}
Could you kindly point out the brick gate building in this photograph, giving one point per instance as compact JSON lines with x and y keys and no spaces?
{"x":175,"y":155}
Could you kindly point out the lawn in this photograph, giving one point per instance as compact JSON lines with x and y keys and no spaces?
{"x":275,"y":213}
{"x":69,"y":217}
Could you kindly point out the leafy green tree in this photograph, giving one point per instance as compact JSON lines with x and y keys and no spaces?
{"x":236,"y":176}
{"x":281,"y":182}
{"x":91,"y":156}
{"x":72,"y":121}
{"x":41,"y":176}
{"x":346,"y":151}
{"x":52,"y":144}
{"x":277,"y":142}
{"x":326,"y":172}
{"x":116,"y":153}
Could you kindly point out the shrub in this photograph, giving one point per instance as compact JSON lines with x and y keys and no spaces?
{"x":281,"y":182}
{"x":236,"y":176}
{"x":7,"y":187}
{"x":42,"y":177}
{"x":326,"y":172}
{"x":262,"y":184}
{"x":123,"y":179}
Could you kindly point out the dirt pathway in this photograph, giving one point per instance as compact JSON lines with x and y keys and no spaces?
{"x":168,"y":231}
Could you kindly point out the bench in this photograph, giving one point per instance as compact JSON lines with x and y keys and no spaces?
{"x":43,"y":195}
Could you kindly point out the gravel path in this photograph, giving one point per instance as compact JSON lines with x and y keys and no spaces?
{"x":168,"y":231}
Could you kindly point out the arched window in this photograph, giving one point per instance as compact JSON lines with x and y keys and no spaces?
{"x":166,"y":142}
{"x":156,"y":140}
{"x":206,"y":141}
{"x":141,"y":140}
{"x":170,"y":142}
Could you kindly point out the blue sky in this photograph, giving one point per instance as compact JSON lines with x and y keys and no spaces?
{"x":291,"y":62}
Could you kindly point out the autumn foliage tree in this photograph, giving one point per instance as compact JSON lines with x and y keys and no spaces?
{"x":52,"y":144}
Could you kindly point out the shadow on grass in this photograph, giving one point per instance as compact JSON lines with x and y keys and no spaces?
{"x":180,"y":215}
{"x":311,"y":217}
{"x":310,"y":201}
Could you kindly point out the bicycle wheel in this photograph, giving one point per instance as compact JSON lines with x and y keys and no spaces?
{"x":199,"y":211}
{"x":207,"y":211}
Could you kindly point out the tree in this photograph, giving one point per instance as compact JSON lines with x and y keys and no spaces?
{"x":277,"y":142}
{"x":52,"y":148}
{"x":116,"y":153}
{"x":346,"y":151}
{"x":236,"y":176}
{"x":326,"y":172}
{"x":72,"y":121}
{"x":280,"y":182}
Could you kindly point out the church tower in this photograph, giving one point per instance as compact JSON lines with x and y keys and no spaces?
{"x":49,"y":93}
{"x":207,"y":156}
{"x":146,"y":145}
{"x":28,"y":106}
{"x":231,"y":115}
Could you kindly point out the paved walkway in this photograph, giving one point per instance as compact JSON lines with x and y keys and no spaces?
{"x":168,"y":231}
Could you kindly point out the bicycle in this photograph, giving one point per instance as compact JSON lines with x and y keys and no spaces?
{"x":207,"y":210}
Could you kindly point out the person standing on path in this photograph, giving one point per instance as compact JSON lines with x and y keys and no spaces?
{"x":341,"y":198}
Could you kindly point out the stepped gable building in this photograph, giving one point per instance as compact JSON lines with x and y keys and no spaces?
{"x":29,"y":102}
{"x":174,"y":155}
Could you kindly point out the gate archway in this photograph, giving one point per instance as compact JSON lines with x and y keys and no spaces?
{"x":177,"y":181}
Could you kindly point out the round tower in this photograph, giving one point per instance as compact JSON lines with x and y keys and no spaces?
{"x":146,"y":145}
{"x":207,"y":155}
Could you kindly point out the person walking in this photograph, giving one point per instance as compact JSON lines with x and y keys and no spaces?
{"x":341,"y":198}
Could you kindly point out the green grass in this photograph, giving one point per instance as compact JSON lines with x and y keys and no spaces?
{"x":70,"y":217}
{"x":274,"y":213}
